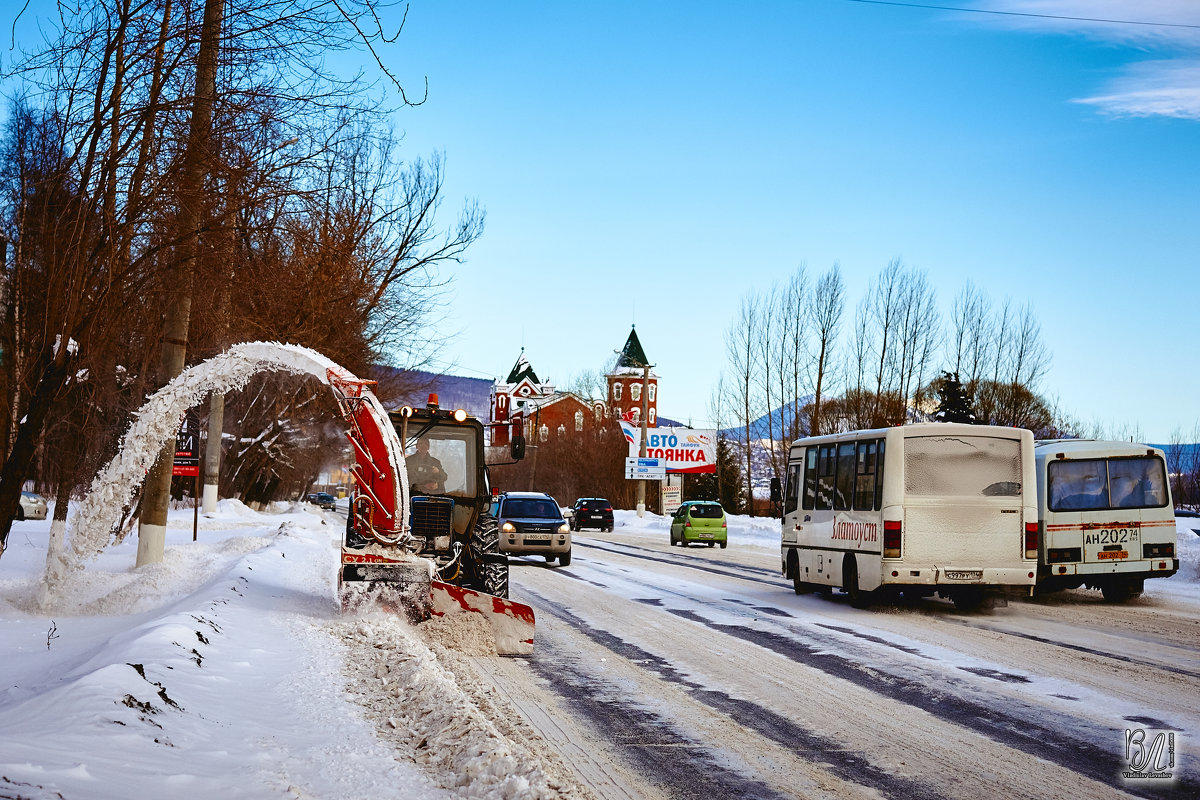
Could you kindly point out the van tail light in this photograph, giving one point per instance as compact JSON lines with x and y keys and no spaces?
{"x":1031,"y":540}
{"x":891,"y":538}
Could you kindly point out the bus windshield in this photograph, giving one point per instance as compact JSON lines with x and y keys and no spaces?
{"x":962,"y":466}
{"x":1097,"y":484}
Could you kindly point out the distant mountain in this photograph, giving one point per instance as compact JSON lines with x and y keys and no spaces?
{"x":762,"y":427}
{"x":453,"y":391}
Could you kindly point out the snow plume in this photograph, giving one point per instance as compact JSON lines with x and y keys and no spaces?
{"x":155,"y":424}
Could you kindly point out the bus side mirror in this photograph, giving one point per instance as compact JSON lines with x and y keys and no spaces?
{"x":776,"y":491}
{"x":517,"y":448}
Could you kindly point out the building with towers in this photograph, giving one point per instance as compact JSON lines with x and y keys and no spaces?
{"x":625,"y":382}
{"x":523,"y":402}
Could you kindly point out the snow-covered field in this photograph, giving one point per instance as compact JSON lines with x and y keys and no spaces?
{"x":228,"y":671}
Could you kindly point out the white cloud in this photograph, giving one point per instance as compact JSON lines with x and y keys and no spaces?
{"x":1153,"y":88}
{"x":1086,"y":17}
{"x":1168,"y":86}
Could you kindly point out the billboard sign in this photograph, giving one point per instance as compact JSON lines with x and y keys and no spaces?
{"x":680,"y":450}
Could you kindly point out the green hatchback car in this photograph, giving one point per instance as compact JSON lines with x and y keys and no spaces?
{"x":699,"y":521}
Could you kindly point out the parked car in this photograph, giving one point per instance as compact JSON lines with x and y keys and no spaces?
{"x":32,"y":506}
{"x":592,"y":512}
{"x":699,"y":521}
{"x":322,"y":499}
{"x":531,"y":522}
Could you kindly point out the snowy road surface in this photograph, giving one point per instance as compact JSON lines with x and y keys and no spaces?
{"x":658,"y":672}
{"x":702,"y":674}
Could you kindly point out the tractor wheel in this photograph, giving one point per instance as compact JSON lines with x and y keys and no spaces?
{"x":489,"y":567}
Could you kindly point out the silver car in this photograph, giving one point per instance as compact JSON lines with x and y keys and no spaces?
{"x":32,"y":506}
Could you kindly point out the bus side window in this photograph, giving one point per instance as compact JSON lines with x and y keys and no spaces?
{"x":826,"y":466}
{"x":791,"y":497}
{"x":864,"y":488}
{"x":845,"y":477}
{"x":879,"y":475}
{"x":810,"y":478}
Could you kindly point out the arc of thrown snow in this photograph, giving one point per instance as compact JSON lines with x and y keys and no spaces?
{"x":157,"y":423}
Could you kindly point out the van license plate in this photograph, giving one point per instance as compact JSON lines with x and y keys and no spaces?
{"x":537,"y":539}
{"x":964,"y":574}
{"x":1112,"y":554}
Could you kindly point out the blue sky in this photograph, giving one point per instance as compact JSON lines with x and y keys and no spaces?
{"x":651,"y":163}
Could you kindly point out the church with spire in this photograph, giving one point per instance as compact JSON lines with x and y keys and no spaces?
{"x":523,"y":402}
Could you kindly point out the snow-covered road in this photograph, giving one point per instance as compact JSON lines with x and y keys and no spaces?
{"x":700,"y":672}
{"x":657,"y":673}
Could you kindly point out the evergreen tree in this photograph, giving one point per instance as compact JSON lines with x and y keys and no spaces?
{"x":953,"y":405}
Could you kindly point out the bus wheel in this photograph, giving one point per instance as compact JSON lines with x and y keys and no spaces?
{"x":799,"y":586}
{"x":1120,"y":590}
{"x":858,"y":598}
{"x":967,"y":599}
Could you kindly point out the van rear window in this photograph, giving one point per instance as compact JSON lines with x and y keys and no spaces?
{"x":1097,"y":484}
{"x":962,"y":466}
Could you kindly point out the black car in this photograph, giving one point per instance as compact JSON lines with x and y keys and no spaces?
{"x":322,"y":499}
{"x":592,"y":512}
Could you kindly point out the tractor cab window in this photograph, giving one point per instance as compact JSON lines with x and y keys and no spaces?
{"x":441,"y":461}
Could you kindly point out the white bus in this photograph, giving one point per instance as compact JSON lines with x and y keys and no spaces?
{"x":917,"y":509}
{"x":1107,"y":521}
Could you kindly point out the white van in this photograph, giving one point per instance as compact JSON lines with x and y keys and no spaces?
{"x":916,"y":509}
{"x":1106,"y":518}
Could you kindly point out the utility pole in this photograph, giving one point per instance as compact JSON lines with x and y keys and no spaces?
{"x":641,"y":499}
{"x":156,"y":495}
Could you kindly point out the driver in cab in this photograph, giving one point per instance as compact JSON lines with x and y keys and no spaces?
{"x":424,"y":471}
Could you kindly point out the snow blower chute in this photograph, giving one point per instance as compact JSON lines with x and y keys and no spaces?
{"x":419,"y":539}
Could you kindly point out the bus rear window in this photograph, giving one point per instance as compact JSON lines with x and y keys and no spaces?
{"x":962,"y":466}
{"x":1098,"y":484}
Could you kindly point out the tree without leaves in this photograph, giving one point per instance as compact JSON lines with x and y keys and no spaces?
{"x":827,"y":309}
{"x":111,"y":93}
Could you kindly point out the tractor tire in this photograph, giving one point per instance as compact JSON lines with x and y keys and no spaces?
{"x":489,"y":567}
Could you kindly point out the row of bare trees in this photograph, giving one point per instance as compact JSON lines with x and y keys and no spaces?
{"x":180,"y":175}
{"x":796,"y":368}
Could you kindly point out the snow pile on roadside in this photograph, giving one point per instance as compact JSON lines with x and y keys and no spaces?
{"x":419,"y":706}
{"x":228,"y":671}
{"x":743,"y":531}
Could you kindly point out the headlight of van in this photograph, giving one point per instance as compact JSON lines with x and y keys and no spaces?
{"x":564,"y":528}
{"x":508,"y":527}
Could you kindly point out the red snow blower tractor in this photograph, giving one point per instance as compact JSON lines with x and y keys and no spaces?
{"x":419,"y":539}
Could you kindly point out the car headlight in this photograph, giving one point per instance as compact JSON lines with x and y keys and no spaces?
{"x":564,"y":528}
{"x":508,"y":527}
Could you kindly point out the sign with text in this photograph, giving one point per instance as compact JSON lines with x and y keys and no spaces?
{"x":644,"y":469}
{"x":685,"y":450}
{"x":672,"y":498}
{"x":187,"y":446}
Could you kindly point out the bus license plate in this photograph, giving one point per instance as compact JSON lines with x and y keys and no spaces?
{"x":1112,"y":554}
{"x":964,"y":574}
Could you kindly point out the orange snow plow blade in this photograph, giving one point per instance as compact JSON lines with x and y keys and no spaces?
{"x":511,"y":622}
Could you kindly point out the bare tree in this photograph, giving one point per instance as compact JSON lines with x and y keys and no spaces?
{"x":742,"y":347}
{"x":826,"y":311}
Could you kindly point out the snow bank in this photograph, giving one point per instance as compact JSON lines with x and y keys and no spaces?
{"x":228,"y":671}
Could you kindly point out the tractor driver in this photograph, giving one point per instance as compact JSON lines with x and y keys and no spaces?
{"x":424,"y":471}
